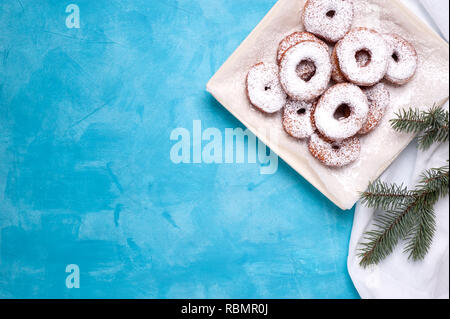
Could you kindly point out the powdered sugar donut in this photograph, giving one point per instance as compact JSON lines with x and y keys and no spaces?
{"x":362,"y":59}
{"x":379,"y":100}
{"x":293,"y":39}
{"x":308,"y":89}
{"x":402,"y":60}
{"x":297,"y":118}
{"x":341,"y":111}
{"x":305,"y":69}
{"x":263,"y":88}
{"x":360,"y":42}
{"x":328,"y":19}
{"x":336,"y":154}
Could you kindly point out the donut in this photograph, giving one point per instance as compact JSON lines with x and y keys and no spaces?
{"x":379,"y":100}
{"x":263,"y":88}
{"x":334,"y":154}
{"x":356,"y":44}
{"x":293,"y":39}
{"x":402,"y":60}
{"x":297,"y":118}
{"x":328,"y":19}
{"x":341,"y":111}
{"x":310,"y":88}
{"x":305,"y":69}
{"x":362,"y":59}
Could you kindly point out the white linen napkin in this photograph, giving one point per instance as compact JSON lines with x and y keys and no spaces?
{"x":438,"y":11}
{"x":396,"y":276}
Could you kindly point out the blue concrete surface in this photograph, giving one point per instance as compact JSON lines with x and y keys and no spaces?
{"x":86,"y":176}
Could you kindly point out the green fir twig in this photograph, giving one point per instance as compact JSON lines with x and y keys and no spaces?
{"x":432,"y":126}
{"x":380,"y":195}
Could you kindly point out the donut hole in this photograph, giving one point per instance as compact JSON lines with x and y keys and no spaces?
{"x":342,"y":112}
{"x":301,"y":111}
{"x":335,"y":147}
{"x":306,"y":69}
{"x":395,"y":57}
{"x":330,"y":14}
{"x":363,"y":58}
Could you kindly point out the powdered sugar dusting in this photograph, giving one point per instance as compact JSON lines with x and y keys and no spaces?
{"x":402,"y":59}
{"x":341,"y":128}
{"x":297,"y":119}
{"x":263,"y":88}
{"x":328,"y":19}
{"x":335,"y":154}
{"x":296,"y":87}
{"x":362,"y":39}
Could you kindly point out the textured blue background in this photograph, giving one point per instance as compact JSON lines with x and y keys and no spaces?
{"x":85,"y":173}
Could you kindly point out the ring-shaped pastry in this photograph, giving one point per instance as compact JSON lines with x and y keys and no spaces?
{"x":297,"y":118}
{"x":328,"y":19}
{"x":293,"y":84}
{"x":341,"y":112}
{"x":263,"y":88}
{"x":402,"y":60}
{"x":363,"y":41}
{"x":334,"y":154}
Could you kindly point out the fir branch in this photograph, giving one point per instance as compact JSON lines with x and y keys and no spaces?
{"x":436,"y":180}
{"x":410,"y":216}
{"x":383,"y":196}
{"x":389,"y":229}
{"x":409,"y":121}
{"x":432,"y":125}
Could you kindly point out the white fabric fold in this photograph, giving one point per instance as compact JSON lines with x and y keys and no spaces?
{"x":397,"y":277}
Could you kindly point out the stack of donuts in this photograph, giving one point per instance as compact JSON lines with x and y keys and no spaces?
{"x":329,"y":81}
